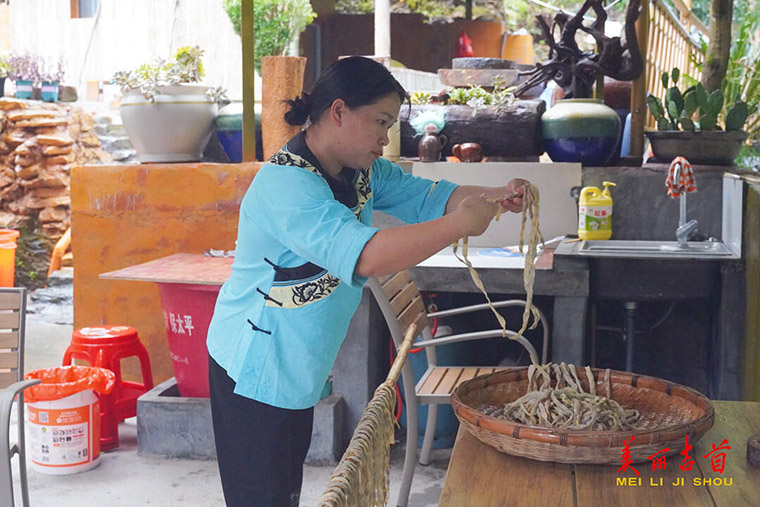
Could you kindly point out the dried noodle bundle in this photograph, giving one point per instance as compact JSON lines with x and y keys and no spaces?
{"x":361,"y":477}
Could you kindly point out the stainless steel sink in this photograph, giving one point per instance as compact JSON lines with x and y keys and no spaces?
{"x":656,"y":249}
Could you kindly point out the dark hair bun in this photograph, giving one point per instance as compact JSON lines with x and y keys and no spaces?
{"x":300,"y":109}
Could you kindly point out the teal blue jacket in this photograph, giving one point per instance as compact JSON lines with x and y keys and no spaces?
{"x":282,"y":315}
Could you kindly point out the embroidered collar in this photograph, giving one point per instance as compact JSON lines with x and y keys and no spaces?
{"x":353,"y":190}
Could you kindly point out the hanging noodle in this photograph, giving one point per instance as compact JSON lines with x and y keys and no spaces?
{"x":555,"y":396}
{"x":361,"y":477}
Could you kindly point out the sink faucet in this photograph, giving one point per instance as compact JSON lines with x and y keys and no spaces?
{"x":683,"y":231}
{"x":684,"y":228}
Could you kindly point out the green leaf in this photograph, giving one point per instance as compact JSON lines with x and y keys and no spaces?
{"x":686,"y":122}
{"x":675,"y":74}
{"x":701,"y":96}
{"x":690,"y":103}
{"x":655,"y":106}
{"x":736,"y":116}
{"x":707,"y":121}
{"x":715,"y":102}
{"x":674,"y":96}
{"x":673,"y":111}
{"x":663,"y":124}
{"x":665,"y":80}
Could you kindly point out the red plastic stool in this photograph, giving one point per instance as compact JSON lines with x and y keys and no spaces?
{"x":106,"y":346}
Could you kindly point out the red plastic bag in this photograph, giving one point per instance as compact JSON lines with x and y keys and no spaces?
{"x":64,"y":381}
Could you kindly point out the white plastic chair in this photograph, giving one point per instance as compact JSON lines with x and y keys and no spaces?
{"x":401,"y":304}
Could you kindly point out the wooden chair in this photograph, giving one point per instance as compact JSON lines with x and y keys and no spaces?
{"x":12,"y":383}
{"x":401,"y":304}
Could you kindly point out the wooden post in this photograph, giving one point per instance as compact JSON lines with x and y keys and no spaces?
{"x":281,"y":79}
{"x":639,"y":87}
{"x":249,"y":101}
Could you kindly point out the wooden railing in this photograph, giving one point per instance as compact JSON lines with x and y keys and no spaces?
{"x":670,"y":45}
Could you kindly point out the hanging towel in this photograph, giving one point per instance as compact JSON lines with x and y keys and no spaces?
{"x":686,"y":181}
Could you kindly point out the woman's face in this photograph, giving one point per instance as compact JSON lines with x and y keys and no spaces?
{"x":364,"y":131}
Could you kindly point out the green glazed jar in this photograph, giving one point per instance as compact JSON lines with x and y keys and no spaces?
{"x":580,"y":130}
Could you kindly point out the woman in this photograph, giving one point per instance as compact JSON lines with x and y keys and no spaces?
{"x":305,"y":247}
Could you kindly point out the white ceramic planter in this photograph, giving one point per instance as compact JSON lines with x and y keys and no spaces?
{"x":174,"y":128}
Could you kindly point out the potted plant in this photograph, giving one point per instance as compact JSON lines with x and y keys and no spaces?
{"x":167,"y":114}
{"x":276,"y":25}
{"x":476,"y":115}
{"x":580,"y":128}
{"x":688,"y":124}
{"x":24,"y":70}
{"x":51,"y":80}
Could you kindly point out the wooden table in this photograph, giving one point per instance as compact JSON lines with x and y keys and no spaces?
{"x":196,"y":269}
{"x":188,"y":285}
{"x":481,"y":476}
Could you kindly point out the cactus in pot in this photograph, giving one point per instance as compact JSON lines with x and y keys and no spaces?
{"x":694,"y":109}
{"x":706,"y":128}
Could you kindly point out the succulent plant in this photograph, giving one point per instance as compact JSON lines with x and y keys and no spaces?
{"x":420,"y":98}
{"x":185,"y":67}
{"x":478,"y":98}
{"x":680,"y":109}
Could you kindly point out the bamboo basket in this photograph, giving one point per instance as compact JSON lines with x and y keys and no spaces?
{"x":669,"y":412}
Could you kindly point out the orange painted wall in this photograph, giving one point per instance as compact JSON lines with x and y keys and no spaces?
{"x":128,"y":214}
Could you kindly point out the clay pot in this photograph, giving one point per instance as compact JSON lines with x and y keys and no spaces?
{"x":468,"y":152}
{"x":429,"y":147}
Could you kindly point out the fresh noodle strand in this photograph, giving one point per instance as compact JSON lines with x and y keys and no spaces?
{"x":555,"y":395}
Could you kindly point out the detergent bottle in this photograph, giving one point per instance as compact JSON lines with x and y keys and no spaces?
{"x":595,"y":212}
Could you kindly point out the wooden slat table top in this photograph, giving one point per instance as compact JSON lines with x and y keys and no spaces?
{"x":479,"y":475}
{"x":178,"y":268}
{"x":735,"y":422}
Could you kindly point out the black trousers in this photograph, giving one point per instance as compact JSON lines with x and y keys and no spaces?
{"x":260,"y":448}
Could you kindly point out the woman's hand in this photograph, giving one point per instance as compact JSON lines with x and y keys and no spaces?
{"x":475,"y":214}
{"x":511,"y":195}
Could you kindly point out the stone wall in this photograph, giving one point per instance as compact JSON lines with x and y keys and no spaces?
{"x":39,"y":143}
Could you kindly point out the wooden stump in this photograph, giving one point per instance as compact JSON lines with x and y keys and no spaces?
{"x":514,"y":133}
{"x":281,"y":79}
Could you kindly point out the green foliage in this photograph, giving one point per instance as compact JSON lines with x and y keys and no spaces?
{"x":737,"y":116}
{"x":185,"y":67}
{"x":514,"y":14}
{"x":741,"y":86}
{"x":355,"y":6}
{"x":476,"y":97}
{"x":680,"y":108}
{"x":189,"y":58}
{"x":276,"y":23}
{"x":420,"y":98}
{"x":3,"y":66}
